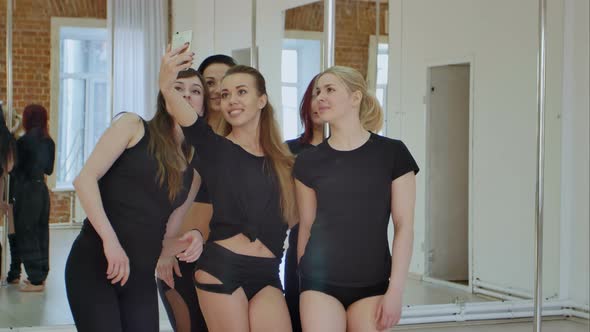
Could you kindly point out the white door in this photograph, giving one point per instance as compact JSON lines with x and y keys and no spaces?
{"x":448,"y":173}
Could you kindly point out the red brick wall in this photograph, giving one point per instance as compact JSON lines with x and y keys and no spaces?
{"x":355,"y":23}
{"x":31,"y":60}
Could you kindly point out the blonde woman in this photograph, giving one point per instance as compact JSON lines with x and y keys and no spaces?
{"x":347,"y":187}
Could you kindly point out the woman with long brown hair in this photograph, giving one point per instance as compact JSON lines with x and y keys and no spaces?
{"x":175,"y":278}
{"x":135,"y":188}
{"x":248,"y":173}
{"x":30,"y":241}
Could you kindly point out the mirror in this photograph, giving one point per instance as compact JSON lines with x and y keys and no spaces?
{"x":458,"y":88}
{"x":467,"y":110}
{"x":41,"y":31}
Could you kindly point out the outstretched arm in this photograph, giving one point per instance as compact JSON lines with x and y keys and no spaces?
{"x":172,"y":63}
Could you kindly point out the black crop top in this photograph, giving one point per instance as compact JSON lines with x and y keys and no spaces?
{"x":348,"y":245}
{"x":243,"y":189}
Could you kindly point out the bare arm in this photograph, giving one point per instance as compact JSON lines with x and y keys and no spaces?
{"x":306,"y":205}
{"x":403,"y":201}
{"x":172,"y":246}
{"x":172,"y":63}
{"x":403,"y":198}
{"x":123,"y":133}
{"x":191,"y":244}
{"x":176,"y":218}
{"x":199,"y":217}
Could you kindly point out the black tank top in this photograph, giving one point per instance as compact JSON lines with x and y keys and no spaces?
{"x":136,"y":205}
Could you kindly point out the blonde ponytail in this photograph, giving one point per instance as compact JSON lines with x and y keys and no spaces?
{"x":370,"y":113}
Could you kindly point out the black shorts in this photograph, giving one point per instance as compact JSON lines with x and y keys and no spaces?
{"x":346,"y":295}
{"x":250,"y":273}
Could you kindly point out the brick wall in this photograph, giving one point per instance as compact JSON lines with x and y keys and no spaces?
{"x":31,"y":27}
{"x":355,"y":22}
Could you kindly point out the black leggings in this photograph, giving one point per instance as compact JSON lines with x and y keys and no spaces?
{"x":345,"y":295}
{"x":292,"y":280}
{"x":96,"y":304}
{"x":185,"y":287}
{"x":30,"y":241}
{"x":250,"y":273}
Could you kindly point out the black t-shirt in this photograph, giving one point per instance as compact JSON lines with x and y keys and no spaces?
{"x":348,"y":245}
{"x":203,"y":194}
{"x":296,"y":146}
{"x":243,"y":189}
{"x":36,"y":156}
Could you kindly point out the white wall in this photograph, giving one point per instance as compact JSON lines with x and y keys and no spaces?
{"x":500,"y":37}
{"x":575,"y":161}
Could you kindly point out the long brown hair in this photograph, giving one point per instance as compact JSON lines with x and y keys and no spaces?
{"x":272,"y":145}
{"x":163,"y":146}
{"x":370,"y":113}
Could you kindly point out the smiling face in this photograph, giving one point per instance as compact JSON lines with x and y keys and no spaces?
{"x":191,"y":90}
{"x":213,"y":75}
{"x":334,"y":100}
{"x":241,"y":102}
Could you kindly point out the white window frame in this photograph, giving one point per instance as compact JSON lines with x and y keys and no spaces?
{"x":57,"y":23}
{"x":300,"y":85}
{"x":372,"y":75}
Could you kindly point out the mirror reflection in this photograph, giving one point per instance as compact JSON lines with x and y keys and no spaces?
{"x":457,"y":84}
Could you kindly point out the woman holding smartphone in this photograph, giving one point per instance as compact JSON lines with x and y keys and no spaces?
{"x":175,"y":278}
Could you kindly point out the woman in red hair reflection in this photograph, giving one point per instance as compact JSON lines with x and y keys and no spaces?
{"x":30,"y":242}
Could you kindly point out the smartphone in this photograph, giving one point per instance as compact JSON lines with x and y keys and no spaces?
{"x":179,"y":38}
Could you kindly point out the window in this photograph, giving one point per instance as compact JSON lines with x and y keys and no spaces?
{"x":82,"y":107}
{"x":378,"y":79}
{"x":382,"y":67}
{"x":289,"y":93}
{"x":300,"y":62}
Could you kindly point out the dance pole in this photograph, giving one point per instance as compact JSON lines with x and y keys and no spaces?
{"x":329,"y":29}
{"x":9,"y":125}
{"x":253,"y":50}
{"x":538,"y":296}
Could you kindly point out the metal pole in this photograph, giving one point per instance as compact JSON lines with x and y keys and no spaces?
{"x":9,"y":125}
{"x":329,"y":30}
{"x":253,"y":50}
{"x":538,"y":296}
